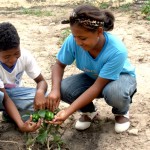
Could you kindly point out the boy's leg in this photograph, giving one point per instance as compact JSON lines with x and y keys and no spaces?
{"x":118,"y":94}
{"x":5,"y":116}
{"x":73,"y":86}
{"x":23,"y":98}
{"x":1,"y":101}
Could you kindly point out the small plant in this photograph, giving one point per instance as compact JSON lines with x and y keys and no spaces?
{"x":48,"y":134}
{"x":146,"y":10}
{"x":104,"y":5}
{"x":64,"y":33}
{"x":125,"y":7}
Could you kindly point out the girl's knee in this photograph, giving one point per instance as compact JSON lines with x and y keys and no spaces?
{"x":65,"y":92}
{"x":116,"y":98}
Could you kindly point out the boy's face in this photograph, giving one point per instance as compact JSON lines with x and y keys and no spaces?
{"x":9,"y":57}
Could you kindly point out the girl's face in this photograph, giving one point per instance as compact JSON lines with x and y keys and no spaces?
{"x":9,"y":57}
{"x":86,"y":39}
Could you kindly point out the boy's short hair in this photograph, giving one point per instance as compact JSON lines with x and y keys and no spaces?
{"x":9,"y":37}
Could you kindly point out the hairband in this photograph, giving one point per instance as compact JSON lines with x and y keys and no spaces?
{"x":86,"y":21}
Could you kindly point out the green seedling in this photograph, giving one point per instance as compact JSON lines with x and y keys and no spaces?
{"x":48,"y":135}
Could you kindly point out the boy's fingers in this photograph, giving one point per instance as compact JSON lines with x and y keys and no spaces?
{"x":41,"y":107}
{"x":47,"y":104}
{"x":40,"y":121}
{"x":35,"y":107}
{"x":51,"y":105}
{"x":30,"y":119}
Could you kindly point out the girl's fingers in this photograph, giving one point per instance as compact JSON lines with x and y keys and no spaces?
{"x":53,"y":122}
{"x":58,"y":122}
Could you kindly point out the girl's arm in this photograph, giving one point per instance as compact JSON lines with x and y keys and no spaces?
{"x":88,"y":96}
{"x":54,"y":96}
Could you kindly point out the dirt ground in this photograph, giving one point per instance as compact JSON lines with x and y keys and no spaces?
{"x":41,"y":35}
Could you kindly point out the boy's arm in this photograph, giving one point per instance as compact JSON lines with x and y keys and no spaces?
{"x":12,"y":111}
{"x":39,"y":101}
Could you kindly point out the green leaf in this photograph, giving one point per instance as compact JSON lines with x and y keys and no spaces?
{"x":30,"y":142}
{"x":45,"y":125}
{"x":42,"y":113}
{"x":56,"y":138}
{"x":58,"y":147}
{"x":57,"y":127}
{"x":41,"y":130}
{"x":42,"y":138}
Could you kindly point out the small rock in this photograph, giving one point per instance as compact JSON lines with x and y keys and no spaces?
{"x":52,"y":23}
{"x":133,"y":131}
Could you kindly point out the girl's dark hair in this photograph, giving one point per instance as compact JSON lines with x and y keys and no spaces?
{"x":9,"y":37}
{"x":91,"y":17}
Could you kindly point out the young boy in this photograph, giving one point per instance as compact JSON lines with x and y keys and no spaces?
{"x":14,"y":61}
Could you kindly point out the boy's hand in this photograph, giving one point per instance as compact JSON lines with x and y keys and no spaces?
{"x":39,"y":101}
{"x":30,"y":126}
{"x":53,"y":100}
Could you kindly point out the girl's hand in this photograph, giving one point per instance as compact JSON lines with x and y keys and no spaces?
{"x":60,"y":117}
{"x":53,"y":100}
{"x":30,"y":126}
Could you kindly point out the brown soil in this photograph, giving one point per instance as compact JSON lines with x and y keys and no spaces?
{"x":41,"y":36}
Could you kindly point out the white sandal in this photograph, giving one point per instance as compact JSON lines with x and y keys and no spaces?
{"x":85,"y":120}
{"x":122,"y":122}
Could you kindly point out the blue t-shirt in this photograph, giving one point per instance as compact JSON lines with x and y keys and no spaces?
{"x":109,"y":64}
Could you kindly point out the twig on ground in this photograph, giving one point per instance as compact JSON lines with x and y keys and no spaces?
{"x":4,"y":141}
